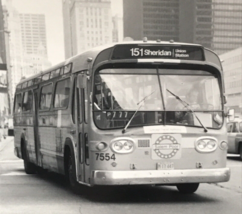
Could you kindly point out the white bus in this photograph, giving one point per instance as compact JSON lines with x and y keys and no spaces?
{"x":124,"y":114}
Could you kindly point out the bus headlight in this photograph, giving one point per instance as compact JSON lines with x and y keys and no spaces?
{"x":201,"y":144}
{"x":117,"y":145}
{"x":206,"y":144}
{"x":121,"y":145}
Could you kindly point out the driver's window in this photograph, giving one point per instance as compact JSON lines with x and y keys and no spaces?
{"x":229,"y":127}
{"x":212,"y":93}
{"x":103,"y":95}
{"x":236,"y":128}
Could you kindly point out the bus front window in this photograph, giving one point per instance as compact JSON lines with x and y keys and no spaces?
{"x":118,"y":93}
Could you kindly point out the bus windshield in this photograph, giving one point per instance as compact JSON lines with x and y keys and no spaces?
{"x":118,"y":93}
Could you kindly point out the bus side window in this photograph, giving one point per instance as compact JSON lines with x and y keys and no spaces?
{"x":18,"y":103}
{"x":28,"y":101}
{"x":62,"y":94}
{"x":45,"y":97}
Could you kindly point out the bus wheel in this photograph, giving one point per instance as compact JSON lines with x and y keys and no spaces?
{"x":187,"y":188}
{"x":29,"y":167}
{"x":72,"y":173}
{"x":240,"y":150}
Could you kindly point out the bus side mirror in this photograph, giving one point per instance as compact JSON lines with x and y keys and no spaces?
{"x":230,"y":115}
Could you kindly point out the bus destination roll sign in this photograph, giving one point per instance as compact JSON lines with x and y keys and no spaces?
{"x":157,"y":51}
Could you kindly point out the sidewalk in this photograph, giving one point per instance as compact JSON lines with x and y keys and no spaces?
{"x":3,"y":143}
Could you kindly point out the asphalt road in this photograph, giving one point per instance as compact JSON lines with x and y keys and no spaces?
{"x":49,"y":194}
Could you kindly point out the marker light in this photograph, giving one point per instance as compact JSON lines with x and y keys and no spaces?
{"x":206,"y":144}
{"x":121,"y":145}
{"x":145,"y":39}
{"x":101,"y":146}
{"x":223,"y":145}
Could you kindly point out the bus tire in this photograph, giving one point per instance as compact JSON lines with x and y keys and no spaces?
{"x":70,"y":170}
{"x":188,"y":188}
{"x":29,"y":167}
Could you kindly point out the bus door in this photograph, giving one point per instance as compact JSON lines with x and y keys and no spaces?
{"x":81,"y":127}
{"x":36,"y":127}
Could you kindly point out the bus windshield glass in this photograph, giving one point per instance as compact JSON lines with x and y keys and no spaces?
{"x":161,"y":96}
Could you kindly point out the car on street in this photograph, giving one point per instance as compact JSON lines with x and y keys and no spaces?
{"x":235,"y":137}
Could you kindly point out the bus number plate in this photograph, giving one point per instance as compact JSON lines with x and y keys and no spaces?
{"x":105,"y":156}
{"x":166,"y":165}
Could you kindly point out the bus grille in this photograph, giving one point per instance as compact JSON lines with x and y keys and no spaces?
{"x":143,"y":143}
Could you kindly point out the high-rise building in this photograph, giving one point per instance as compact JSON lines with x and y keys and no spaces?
{"x":227,"y":25}
{"x":12,"y":21}
{"x":87,"y":23}
{"x":26,"y":45}
{"x":216,"y":24}
{"x":117,"y":28}
{"x":232,"y":64}
{"x":33,"y":32}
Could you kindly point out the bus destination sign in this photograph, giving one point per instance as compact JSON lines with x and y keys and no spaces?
{"x":158,"y":52}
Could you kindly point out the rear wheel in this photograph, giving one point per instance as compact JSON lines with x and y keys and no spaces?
{"x":187,"y":188}
{"x":29,"y":167}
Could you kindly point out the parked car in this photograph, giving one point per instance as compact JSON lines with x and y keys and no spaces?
{"x":235,"y":137}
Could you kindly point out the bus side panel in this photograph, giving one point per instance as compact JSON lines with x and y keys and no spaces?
{"x":62,"y":131}
{"x":47,"y":140}
{"x":53,"y":131}
{"x":29,"y":140}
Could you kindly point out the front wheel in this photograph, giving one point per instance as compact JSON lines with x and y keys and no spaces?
{"x":72,"y":173}
{"x":187,"y":188}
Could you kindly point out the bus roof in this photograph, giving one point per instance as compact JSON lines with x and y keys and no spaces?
{"x":94,"y":52}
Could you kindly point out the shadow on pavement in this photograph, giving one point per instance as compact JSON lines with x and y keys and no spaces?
{"x":125,"y":194}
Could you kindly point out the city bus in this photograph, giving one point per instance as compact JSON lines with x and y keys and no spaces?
{"x":130,"y":113}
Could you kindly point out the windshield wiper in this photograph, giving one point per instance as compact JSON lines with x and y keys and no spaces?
{"x":130,"y":120}
{"x":186,"y":105}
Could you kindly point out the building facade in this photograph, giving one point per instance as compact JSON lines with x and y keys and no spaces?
{"x":117,"y":28}
{"x":227,"y":25}
{"x":232,"y":64}
{"x":5,"y":106}
{"x":33,"y":32}
{"x":87,"y":23}
{"x":215,"y":24}
{"x":26,"y":45}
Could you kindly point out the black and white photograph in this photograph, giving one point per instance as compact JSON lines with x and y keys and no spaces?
{"x":120,"y":106}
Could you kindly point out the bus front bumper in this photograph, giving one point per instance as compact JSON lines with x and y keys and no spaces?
{"x":135,"y":177}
